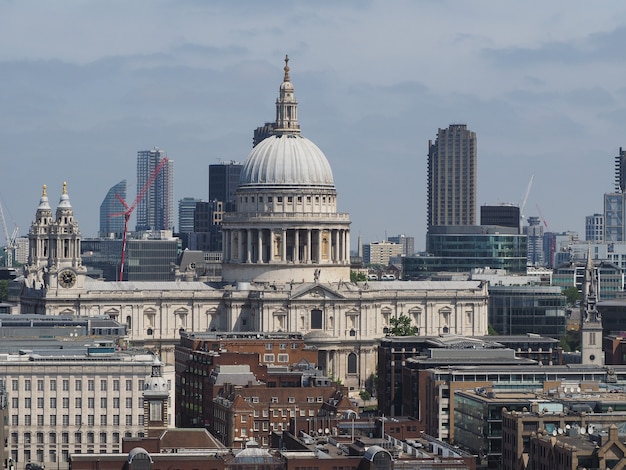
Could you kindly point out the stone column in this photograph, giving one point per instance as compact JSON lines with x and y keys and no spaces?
{"x":307,"y":250}
{"x":249,"y":246}
{"x":259,"y":252}
{"x":271,"y":243}
{"x":336,"y":251}
{"x":283,"y":246}
{"x":296,"y":237}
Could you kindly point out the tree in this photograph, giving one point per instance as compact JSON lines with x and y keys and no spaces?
{"x":357,"y":276}
{"x":401,"y":326}
{"x":365,"y":395}
{"x":572,"y":295}
{"x":491,"y":331}
{"x":4,"y":290}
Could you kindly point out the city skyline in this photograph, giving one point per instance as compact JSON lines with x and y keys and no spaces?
{"x":540,"y":84}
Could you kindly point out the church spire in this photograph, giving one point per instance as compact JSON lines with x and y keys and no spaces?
{"x":286,"y":106}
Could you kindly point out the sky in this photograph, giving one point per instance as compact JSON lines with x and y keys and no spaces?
{"x":85,"y":85}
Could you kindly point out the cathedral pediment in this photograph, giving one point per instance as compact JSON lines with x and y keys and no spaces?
{"x":315,"y":292}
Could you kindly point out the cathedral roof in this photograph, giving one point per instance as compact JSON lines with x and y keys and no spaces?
{"x":286,"y":158}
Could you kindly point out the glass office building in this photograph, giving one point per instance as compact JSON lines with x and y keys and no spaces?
{"x":473,"y":247}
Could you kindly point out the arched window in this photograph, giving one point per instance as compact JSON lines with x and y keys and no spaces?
{"x":352,"y":363}
{"x":129,"y":323}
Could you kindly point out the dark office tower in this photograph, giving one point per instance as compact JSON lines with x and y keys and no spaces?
{"x":620,"y":172}
{"x":223,"y":183}
{"x":155,"y":211}
{"x":112,"y":226}
{"x":452,"y":177}
{"x":503,"y":215}
{"x":263,"y":132}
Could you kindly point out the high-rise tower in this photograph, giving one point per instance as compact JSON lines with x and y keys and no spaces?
{"x":112,"y":205}
{"x":452,"y":177}
{"x":155,"y":211}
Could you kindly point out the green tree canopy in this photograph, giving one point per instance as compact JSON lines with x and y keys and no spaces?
{"x":401,"y":326}
{"x":572,"y":295}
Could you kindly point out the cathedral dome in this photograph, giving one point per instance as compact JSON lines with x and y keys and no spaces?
{"x":286,"y":159}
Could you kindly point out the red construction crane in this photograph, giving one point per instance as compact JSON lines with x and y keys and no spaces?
{"x":129,"y":210}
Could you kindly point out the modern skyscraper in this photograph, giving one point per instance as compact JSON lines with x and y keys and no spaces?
{"x":155,"y":211}
{"x":112,"y":205}
{"x":620,"y":171}
{"x":186,"y":212}
{"x":223,"y":183}
{"x":452,"y":177}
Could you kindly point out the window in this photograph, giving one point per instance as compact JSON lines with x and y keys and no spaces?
{"x":103,"y":385}
{"x":27,"y":420}
{"x":292,"y":399}
{"x":316,"y":319}
{"x":78,"y":420}
{"x":129,"y":403}
{"x":103,"y":403}
{"x":40,"y":402}
{"x":27,"y":385}
{"x":274,"y":400}
{"x":66,"y":385}
{"x":15,"y":403}
{"x":53,"y":420}
{"x":27,"y":402}
{"x":39,"y":420}
{"x":255,"y":399}
{"x":39,"y":438}
{"x":90,"y":420}
{"x":268,"y":358}
{"x":244,"y":418}
{"x":141,"y":386}
{"x":66,"y":420}
{"x":53,"y":385}
{"x":268,"y":346}
{"x":116,"y":438}
{"x":90,"y":436}
{"x":129,"y":385}
{"x":116,"y":385}
{"x":53,"y":402}
{"x":116,"y":402}
{"x":13,"y":438}
{"x":78,"y":438}
{"x":103,"y":438}
{"x":283,"y":346}
{"x":140,"y":420}
{"x":52,"y":437}
{"x":129,"y":420}
{"x":103,"y":420}
{"x":40,"y":385}
{"x":352,"y":363}
{"x":15,"y":386}
{"x":91,"y":386}
{"x":66,"y":402}
{"x":78,"y":385}
{"x":283,"y":358}
{"x":116,"y":420}
{"x":91,"y":402}
{"x":78,"y":402}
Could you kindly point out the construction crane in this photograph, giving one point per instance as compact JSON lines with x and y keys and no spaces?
{"x":522,"y":203}
{"x":129,"y":210}
{"x":10,"y":239}
{"x":545,"y":224}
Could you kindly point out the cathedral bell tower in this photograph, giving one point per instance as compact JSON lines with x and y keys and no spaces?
{"x":54,"y":260}
{"x":590,"y":318}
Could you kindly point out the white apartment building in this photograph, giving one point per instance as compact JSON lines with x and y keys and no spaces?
{"x":71,"y":401}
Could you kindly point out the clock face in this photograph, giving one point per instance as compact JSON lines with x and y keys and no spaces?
{"x":67,"y":278}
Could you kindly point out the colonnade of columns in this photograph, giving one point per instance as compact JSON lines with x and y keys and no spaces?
{"x":300,"y":246}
